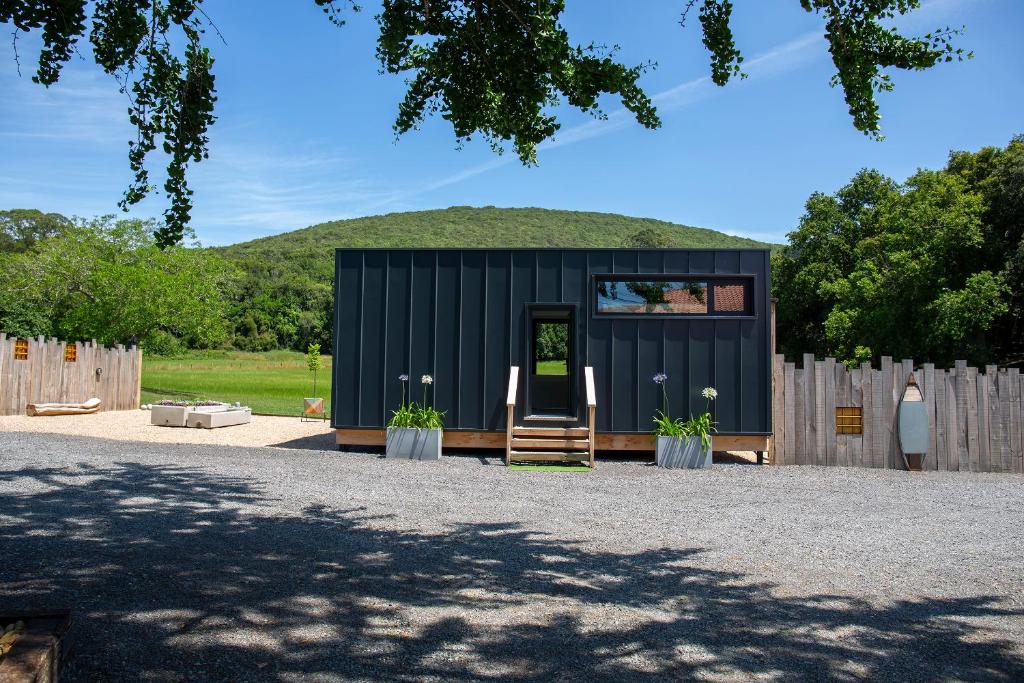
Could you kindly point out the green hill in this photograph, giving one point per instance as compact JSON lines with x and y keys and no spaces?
{"x":286,"y":296}
{"x":462,"y":226}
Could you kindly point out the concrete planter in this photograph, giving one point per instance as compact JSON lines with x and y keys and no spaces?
{"x":413,"y":444}
{"x":219,"y":418}
{"x":168,"y":416}
{"x":177,"y":416}
{"x":685,"y":453}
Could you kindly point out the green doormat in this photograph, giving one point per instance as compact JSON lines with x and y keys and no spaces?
{"x":550,"y":468}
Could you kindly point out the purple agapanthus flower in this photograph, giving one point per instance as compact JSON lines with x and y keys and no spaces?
{"x":403,"y":377}
{"x":660,"y":378}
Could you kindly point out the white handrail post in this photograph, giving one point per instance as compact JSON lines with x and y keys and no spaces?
{"x":510,"y":409}
{"x":588,"y":375}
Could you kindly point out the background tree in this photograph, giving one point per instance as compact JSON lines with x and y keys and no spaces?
{"x":924,"y":269}
{"x":20,"y":229}
{"x":647,"y":238}
{"x":314,"y":362}
{"x":490,"y":67}
{"x":552,"y":341}
{"x":107,"y":280}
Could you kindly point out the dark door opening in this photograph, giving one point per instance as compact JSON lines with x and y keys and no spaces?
{"x":551,"y":362}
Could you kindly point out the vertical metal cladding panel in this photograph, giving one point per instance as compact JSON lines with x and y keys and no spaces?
{"x":650,"y":350}
{"x":396,"y":333}
{"x":549,"y":276}
{"x":473,"y":339}
{"x":625,"y":380}
{"x":755,"y":357}
{"x":676,"y":353}
{"x":599,"y":343}
{"x":496,"y":362}
{"x":421,"y":322}
{"x":345,"y":355}
{"x":701,"y":343}
{"x":727,"y":376}
{"x":373,"y":334}
{"x":447,"y":341}
{"x":523,"y":292}
{"x":727,"y":379}
{"x":575,"y":288}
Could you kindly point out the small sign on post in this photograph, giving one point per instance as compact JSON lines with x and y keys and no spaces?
{"x":313,"y":409}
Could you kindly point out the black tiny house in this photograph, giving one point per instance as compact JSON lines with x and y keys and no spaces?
{"x":466,"y":316}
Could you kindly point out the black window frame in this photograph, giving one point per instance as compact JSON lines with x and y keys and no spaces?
{"x":711,"y":279}
{"x":572,"y":311}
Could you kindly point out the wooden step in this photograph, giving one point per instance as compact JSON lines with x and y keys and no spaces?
{"x":550,"y":456}
{"x":566,"y":433}
{"x":567,"y":444}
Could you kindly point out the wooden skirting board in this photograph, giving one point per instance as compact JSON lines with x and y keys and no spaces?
{"x":606,"y":441}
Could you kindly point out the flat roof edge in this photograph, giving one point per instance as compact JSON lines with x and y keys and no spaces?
{"x":622,"y":249}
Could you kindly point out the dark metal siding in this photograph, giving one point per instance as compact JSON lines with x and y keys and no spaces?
{"x":460,"y":315}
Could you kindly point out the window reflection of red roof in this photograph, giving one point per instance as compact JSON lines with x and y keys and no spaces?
{"x":686,"y":301}
{"x":730,"y":298}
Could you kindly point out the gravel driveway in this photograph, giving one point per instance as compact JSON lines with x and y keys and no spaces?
{"x":204,"y":562}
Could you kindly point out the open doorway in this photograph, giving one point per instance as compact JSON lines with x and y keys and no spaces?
{"x":552,"y":371}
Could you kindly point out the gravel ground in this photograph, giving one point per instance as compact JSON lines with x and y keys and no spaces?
{"x":133,"y":425}
{"x":201,"y":562}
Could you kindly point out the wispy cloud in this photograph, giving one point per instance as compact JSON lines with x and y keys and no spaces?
{"x":85,"y":106}
{"x":271,"y":190}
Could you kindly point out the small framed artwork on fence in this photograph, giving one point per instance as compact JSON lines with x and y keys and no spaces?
{"x":850,"y":420}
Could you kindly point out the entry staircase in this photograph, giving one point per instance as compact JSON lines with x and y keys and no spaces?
{"x":549,"y":444}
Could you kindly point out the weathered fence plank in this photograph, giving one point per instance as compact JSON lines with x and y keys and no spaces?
{"x":48,"y":375}
{"x":1016,"y":420}
{"x":810,"y":411}
{"x":800,"y":396}
{"x":790,"y":398}
{"x":820,"y":425}
{"x":778,"y":440}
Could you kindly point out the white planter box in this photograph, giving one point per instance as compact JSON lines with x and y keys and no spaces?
{"x":219,"y":418}
{"x":177,"y":416}
{"x":682,"y":453}
{"x":413,"y":444}
{"x":168,"y":416}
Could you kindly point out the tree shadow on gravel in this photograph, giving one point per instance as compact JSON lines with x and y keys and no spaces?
{"x":173,"y":575}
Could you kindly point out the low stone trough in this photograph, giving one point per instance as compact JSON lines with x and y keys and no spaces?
{"x":208,"y":416}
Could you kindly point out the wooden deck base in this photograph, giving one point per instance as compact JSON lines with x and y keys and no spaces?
{"x":606,"y":441}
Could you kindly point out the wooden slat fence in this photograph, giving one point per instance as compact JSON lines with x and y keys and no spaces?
{"x":46,"y":377}
{"x":975,"y":415}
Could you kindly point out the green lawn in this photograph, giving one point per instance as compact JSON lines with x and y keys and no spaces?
{"x":270,"y":383}
{"x":551,"y":367}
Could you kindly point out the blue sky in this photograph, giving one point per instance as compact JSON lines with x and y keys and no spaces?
{"x":304,"y":132}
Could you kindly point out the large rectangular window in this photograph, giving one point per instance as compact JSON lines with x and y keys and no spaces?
{"x":634,"y":295}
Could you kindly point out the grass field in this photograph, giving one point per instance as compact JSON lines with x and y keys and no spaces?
{"x":551,"y":367}
{"x":271,"y":383}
